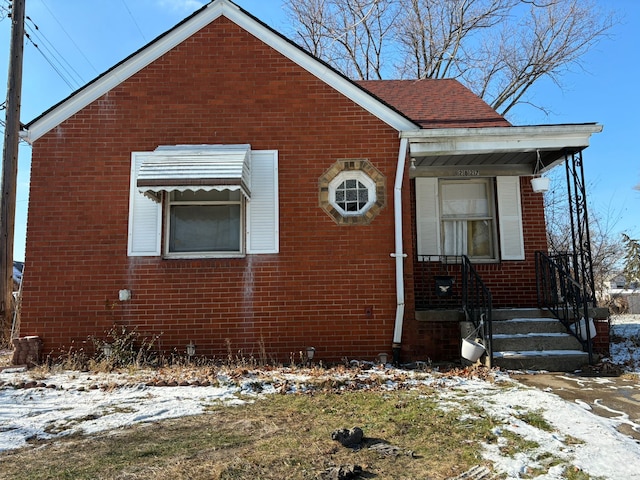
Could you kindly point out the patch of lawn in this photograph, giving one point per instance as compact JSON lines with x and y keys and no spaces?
{"x":535,"y":419}
{"x":515,"y":443}
{"x":280,"y":436}
{"x":574,"y":473}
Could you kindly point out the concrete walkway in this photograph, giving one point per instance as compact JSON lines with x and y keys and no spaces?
{"x":608,"y":396}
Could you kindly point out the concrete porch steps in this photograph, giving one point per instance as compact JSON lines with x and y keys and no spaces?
{"x":530,"y":340}
{"x":549,"y":360}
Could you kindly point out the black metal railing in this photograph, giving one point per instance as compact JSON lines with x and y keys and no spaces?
{"x":451,"y":282}
{"x":477,"y":305}
{"x":561,"y":294}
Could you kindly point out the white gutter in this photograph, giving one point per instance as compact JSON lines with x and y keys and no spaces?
{"x":399,"y":255}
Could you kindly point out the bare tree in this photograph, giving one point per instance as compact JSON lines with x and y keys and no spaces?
{"x":545,"y":42}
{"x":435,"y":37}
{"x":351,"y":35}
{"x":498,"y":48}
{"x":312,"y":25}
{"x":556,"y":208}
{"x":607,"y":249}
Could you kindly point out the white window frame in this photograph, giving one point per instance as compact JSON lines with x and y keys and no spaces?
{"x":490,"y":216}
{"x":168,"y":203}
{"x":508,"y":216}
{"x":359,"y":176}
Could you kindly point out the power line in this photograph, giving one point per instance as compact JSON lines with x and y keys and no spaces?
{"x":48,"y":51}
{"x":5,"y":10}
{"x":134,"y":20}
{"x":51,"y":63}
{"x":69,"y":37}
{"x":55,"y":56}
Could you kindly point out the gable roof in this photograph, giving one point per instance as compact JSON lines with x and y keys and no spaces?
{"x":182,"y":31}
{"x":436,"y":103}
{"x":436,"y":116}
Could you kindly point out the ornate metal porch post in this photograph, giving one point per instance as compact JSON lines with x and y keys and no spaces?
{"x":578,"y":213}
{"x":580,"y":236}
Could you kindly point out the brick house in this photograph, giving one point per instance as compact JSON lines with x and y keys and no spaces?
{"x":221,"y":186}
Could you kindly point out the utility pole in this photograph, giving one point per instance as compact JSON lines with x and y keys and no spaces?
{"x":10,"y":166}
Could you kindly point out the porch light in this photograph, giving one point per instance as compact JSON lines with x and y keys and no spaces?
{"x":107,"y":350}
{"x":412,"y":166}
{"x":311,"y":351}
{"x":191,"y":349}
{"x":539,"y":184}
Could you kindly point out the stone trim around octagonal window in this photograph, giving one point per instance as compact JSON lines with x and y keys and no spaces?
{"x":364,"y":185}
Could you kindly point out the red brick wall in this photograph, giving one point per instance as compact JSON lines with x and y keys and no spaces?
{"x":220,"y":86}
{"x":602,"y":340}
{"x":431,"y":341}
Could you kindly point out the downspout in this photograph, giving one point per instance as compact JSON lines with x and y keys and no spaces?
{"x":399,"y":255}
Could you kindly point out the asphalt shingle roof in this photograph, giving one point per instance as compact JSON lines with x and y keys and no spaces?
{"x":436,"y":103}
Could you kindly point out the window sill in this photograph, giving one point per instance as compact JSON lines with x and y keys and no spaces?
{"x":481,"y":261}
{"x":198,"y":256}
{"x":454,"y":259}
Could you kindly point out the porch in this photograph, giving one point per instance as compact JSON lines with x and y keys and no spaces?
{"x":480,"y":244}
{"x":450,"y":293}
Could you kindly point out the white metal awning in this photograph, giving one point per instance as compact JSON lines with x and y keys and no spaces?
{"x":195,"y":167}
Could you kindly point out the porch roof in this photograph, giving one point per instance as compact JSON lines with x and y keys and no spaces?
{"x":506,"y":150}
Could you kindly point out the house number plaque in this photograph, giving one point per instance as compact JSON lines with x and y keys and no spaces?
{"x":468,"y":173}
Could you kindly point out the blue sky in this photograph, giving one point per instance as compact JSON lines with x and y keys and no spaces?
{"x":91,"y":36}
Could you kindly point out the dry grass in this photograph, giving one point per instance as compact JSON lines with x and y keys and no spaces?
{"x":277,"y":437}
{"x":5,"y":358}
{"x":282,"y":436}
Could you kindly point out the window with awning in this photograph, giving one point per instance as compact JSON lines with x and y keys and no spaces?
{"x":202,"y":201}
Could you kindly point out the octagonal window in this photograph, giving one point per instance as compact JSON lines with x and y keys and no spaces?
{"x":352,"y":193}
